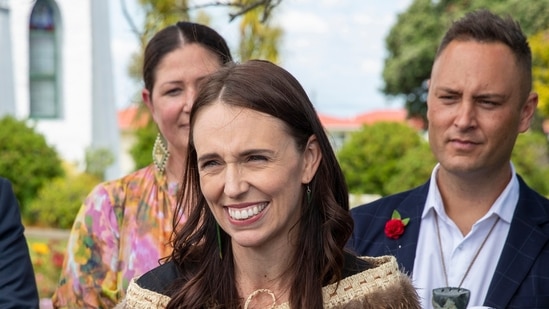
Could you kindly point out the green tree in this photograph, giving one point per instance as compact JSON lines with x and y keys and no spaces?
{"x":26,"y":159}
{"x":411,"y":45}
{"x":412,"y":41}
{"x":258,"y":40}
{"x":540,"y":54}
{"x":413,"y":169}
{"x":531,"y":159}
{"x":97,"y":161}
{"x":141,"y":151}
{"x":158,"y":14}
{"x":372,"y":157}
{"x":59,"y":201}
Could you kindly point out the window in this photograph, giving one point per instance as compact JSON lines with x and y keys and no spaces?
{"x":44,"y":81}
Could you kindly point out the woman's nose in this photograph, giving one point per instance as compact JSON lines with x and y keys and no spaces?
{"x":235,"y":183}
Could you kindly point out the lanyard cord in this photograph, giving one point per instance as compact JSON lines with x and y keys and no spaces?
{"x":474,"y":258}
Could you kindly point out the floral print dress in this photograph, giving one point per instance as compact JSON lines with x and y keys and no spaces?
{"x":122,"y":230}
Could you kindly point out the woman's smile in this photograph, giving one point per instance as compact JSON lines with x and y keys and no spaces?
{"x":246,"y":212}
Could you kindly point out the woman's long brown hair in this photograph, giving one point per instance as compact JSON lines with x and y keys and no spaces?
{"x":208,"y":281}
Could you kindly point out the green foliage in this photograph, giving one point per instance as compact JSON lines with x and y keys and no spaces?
{"x":158,"y":15}
{"x":539,"y":44}
{"x":531,"y":159}
{"x":97,"y":161}
{"x":58,"y":201}
{"x":26,"y":159}
{"x":374,"y":156}
{"x":414,"y":168}
{"x":412,"y":41}
{"x":258,"y":40}
{"x":141,"y":151}
{"x":410,"y":54}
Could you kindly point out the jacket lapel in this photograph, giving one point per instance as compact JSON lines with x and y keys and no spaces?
{"x":524,"y":243}
{"x":404,"y":248}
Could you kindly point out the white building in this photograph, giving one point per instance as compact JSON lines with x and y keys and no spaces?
{"x":56,"y":71}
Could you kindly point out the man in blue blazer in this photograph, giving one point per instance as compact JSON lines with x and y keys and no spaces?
{"x":475,"y":228}
{"x":17,"y":282}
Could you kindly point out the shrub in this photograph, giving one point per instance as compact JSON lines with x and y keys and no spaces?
{"x":141,"y":151}
{"x":531,"y":160}
{"x":58,"y":202}
{"x":413,"y":169}
{"x":373,"y":155}
{"x":97,"y":161}
{"x":26,"y":159}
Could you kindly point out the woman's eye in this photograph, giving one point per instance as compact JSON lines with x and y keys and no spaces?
{"x":209,"y":164}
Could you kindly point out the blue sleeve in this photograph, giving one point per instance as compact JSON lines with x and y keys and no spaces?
{"x":17,"y":281}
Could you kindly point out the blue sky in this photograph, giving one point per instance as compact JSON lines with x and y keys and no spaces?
{"x":335,"y":48}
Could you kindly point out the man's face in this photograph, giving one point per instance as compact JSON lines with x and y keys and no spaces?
{"x":476,"y":107}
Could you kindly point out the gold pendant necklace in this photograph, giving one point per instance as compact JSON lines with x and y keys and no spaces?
{"x":452,"y":297}
{"x":255,"y":293}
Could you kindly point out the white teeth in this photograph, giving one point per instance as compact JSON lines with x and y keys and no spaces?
{"x":243,"y":214}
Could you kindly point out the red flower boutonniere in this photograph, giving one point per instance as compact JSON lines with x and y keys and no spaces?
{"x":394,"y":228}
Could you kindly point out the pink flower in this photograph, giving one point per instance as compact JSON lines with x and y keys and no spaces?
{"x":394,"y":228}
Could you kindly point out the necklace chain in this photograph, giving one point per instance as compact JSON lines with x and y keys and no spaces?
{"x":474,"y":257}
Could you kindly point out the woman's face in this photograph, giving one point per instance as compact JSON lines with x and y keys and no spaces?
{"x":176,"y":79}
{"x":252,"y":173}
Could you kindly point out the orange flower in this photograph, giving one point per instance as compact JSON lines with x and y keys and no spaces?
{"x":40,"y":248}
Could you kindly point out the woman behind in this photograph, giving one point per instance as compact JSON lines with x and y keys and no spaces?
{"x":124,"y":226}
{"x":270,"y":216}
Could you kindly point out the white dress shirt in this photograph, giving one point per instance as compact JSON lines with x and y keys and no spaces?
{"x":459,"y":250}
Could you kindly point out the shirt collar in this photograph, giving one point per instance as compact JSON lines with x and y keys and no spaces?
{"x":504,"y":206}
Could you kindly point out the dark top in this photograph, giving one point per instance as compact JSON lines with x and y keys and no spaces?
{"x":17,"y":282}
{"x":160,"y":279}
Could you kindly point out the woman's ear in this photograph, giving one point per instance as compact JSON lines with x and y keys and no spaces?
{"x":146,"y":96}
{"x":147,"y":100}
{"x":311,"y":159}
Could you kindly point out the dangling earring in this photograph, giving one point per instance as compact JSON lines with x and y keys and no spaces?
{"x":309,"y":195}
{"x":160,"y":154}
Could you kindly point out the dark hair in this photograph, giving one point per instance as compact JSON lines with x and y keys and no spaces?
{"x":325,"y":224}
{"x":172,"y":37}
{"x":484,"y":26}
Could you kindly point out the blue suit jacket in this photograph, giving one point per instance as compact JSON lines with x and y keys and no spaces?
{"x":521,"y":279}
{"x":17,"y":282}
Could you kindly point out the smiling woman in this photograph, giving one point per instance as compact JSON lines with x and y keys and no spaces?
{"x":270,"y":215}
{"x":252,"y":174}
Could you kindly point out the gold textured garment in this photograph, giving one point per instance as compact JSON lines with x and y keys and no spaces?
{"x":383,"y":286}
